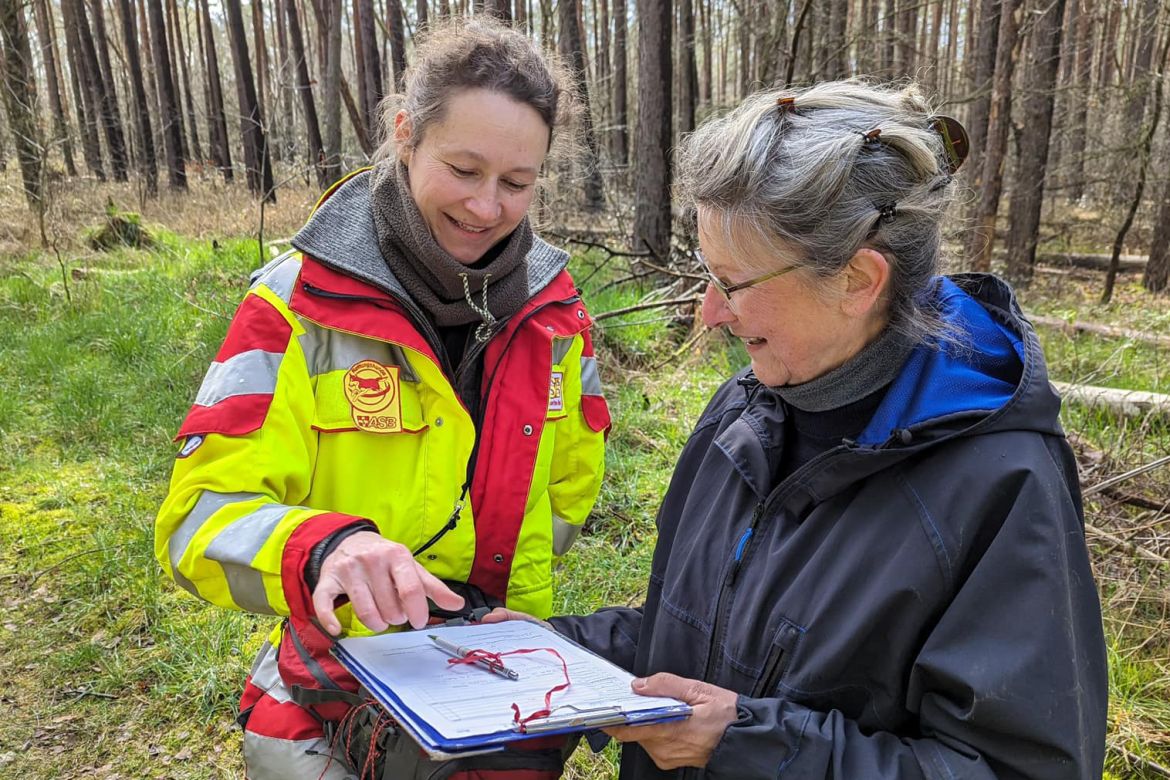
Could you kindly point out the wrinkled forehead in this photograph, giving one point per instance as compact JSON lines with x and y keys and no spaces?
{"x":731,"y":241}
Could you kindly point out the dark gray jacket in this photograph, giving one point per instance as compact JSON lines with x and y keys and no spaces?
{"x":917,"y":603}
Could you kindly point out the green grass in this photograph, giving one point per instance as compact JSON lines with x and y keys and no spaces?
{"x":112,"y":670}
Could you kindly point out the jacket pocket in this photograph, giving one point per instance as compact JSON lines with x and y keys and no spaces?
{"x":335,"y":412}
{"x":779,"y":655}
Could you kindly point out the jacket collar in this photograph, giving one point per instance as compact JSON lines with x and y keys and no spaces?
{"x":341,"y":234}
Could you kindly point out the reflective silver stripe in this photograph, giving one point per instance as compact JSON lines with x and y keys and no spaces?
{"x":208,"y":504}
{"x":280,"y":275}
{"x":331,"y":350}
{"x":266,"y":675}
{"x":234,"y":548}
{"x":590,"y":379}
{"x":272,"y":758}
{"x":564,"y":534}
{"x":248,"y":373}
{"x":561,"y":348}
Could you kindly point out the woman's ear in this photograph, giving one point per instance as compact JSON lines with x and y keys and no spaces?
{"x":867,"y":277}
{"x":402,"y":137}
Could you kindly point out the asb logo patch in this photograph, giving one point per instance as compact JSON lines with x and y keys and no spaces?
{"x":556,"y":392}
{"x":372,"y":391}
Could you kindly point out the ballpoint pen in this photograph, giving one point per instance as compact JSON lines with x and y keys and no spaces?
{"x":458,"y":651}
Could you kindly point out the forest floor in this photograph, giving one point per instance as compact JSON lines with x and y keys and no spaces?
{"x":112,"y":672}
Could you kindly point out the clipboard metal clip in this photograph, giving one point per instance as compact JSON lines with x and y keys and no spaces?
{"x":596,"y":717}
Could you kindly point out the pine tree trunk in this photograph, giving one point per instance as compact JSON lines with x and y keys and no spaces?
{"x":1157,"y":274}
{"x":620,"y":144}
{"x":103,"y":90}
{"x":181,"y":54}
{"x":119,"y":158}
{"x":688,"y":75}
{"x":172,"y":132}
{"x":397,"y":32}
{"x":150,"y":76}
{"x":332,"y":93}
{"x":171,"y":26}
{"x":221,"y":151}
{"x":981,"y":238}
{"x":837,"y":45}
{"x":371,"y":74}
{"x":572,"y":51}
{"x":1032,"y":167}
{"x":19,"y":102}
{"x":259,"y":172}
{"x":652,"y":225}
{"x":305,"y":90}
{"x":1082,"y":95}
{"x":88,"y":122}
{"x":148,"y":164}
{"x":50,"y":57}
{"x":986,"y":35}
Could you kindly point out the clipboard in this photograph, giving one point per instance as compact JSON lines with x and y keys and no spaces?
{"x":460,"y":710}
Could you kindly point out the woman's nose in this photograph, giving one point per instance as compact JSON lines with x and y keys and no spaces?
{"x":484,"y":204}
{"x":716,"y":310}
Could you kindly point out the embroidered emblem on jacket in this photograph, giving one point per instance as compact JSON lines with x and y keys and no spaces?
{"x":373,"y":394}
{"x":556,"y":392}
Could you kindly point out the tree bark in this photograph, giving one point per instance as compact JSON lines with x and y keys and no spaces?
{"x":181,"y":54}
{"x":171,"y":25}
{"x":397,"y":32}
{"x":1144,"y":152}
{"x":688,"y":76}
{"x":171,"y":129}
{"x":837,"y":41}
{"x":221,"y":152}
{"x":305,"y":90}
{"x":986,"y":36}
{"x":1082,"y":95}
{"x":369,"y":62}
{"x":981,"y":238}
{"x":148,"y":162}
{"x":97,"y":59}
{"x":572,"y":51}
{"x":83,"y":101}
{"x":1156,"y":277}
{"x":652,"y":226}
{"x":619,"y":137}
{"x":259,"y":168}
{"x":1028,"y":189}
{"x":50,"y":57}
{"x":331,"y":22}
{"x":19,"y":101}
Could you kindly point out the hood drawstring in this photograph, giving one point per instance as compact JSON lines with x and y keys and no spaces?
{"x":484,"y":330}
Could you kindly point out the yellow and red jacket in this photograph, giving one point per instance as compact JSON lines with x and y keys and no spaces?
{"x":291,"y":439}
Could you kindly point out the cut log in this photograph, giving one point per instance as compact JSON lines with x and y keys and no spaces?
{"x":1100,"y":330}
{"x":1128,"y":403}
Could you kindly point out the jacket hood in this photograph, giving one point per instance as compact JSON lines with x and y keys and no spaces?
{"x":341,"y":234}
{"x":990,"y":376}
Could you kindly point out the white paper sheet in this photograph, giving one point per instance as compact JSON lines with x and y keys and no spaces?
{"x":467,"y":700}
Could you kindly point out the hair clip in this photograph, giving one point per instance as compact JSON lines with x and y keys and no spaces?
{"x":942,"y":182}
{"x":887,"y":213}
{"x":872,"y":138}
{"x":955,"y":142}
{"x":786,"y":105}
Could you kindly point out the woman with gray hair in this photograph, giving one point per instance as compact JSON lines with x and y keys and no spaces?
{"x":871,"y":560}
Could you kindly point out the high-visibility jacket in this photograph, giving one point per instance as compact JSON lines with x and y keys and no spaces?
{"x":326,"y":406}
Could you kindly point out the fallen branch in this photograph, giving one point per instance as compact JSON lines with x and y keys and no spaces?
{"x":1140,"y":502}
{"x":1153,"y":766}
{"x":1129,"y":403}
{"x":593,"y":244}
{"x":1128,"y":546}
{"x":1100,"y":330}
{"x":1108,"y":483}
{"x":693,"y":300}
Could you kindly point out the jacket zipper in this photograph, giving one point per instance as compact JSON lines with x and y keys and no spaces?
{"x":728,"y":585}
{"x":436,"y":344}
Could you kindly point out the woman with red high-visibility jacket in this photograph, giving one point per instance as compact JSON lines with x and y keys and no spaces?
{"x":406,"y":407}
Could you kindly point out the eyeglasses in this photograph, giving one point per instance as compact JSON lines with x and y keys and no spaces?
{"x":727,"y":289}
